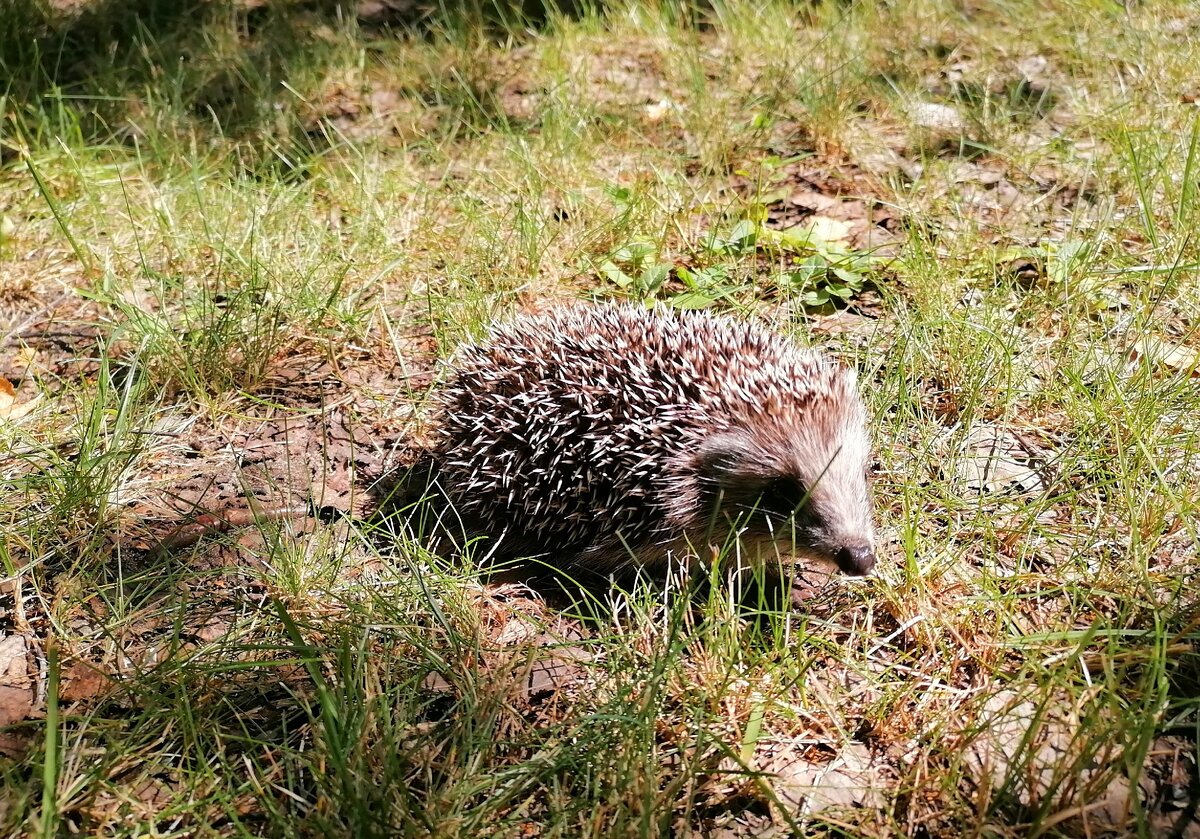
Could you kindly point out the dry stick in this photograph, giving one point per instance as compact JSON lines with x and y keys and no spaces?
{"x":206,"y":524}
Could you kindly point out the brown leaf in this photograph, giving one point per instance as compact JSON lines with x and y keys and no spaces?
{"x":14,"y":746}
{"x":216,"y":627}
{"x":16,"y":686}
{"x":1175,"y":357}
{"x":81,"y":681}
{"x":560,"y":667}
{"x":9,"y":409}
{"x":851,"y":780}
{"x":829,"y":231}
{"x":935,"y":116}
{"x":15,"y":704}
{"x":994,"y":459}
{"x":8,"y":397}
{"x":25,"y":357}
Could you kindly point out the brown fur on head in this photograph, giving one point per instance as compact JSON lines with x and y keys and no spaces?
{"x":793,"y":479}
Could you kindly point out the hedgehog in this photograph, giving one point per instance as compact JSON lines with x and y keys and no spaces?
{"x":605,"y":436}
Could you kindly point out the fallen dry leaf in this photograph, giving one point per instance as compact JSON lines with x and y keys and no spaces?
{"x":994,"y":459}
{"x":936,"y":117}
{"x":14,"y":746}
{"x":849,"y":781}
{"x":9,"y":409}
{"x":1015,"y":744}
{"x":81,"y":681}
{"x":516,"y":631}
{"x":1174,"y":357}
{"x":657,"y":110}
{"x":829,"y":231}
{"x":25,"y":356}
{"x":560,"y":667}
{"x":1019,"y":744}
{"x":16,"y":687}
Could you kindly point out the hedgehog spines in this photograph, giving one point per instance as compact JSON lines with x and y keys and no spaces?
{"x":585,"y":431}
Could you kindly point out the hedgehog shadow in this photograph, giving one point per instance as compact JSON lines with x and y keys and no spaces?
{"x":413,"y":515}
{"x":412,"y":512}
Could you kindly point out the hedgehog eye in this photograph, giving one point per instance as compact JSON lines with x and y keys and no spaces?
{"x":784,"y":496}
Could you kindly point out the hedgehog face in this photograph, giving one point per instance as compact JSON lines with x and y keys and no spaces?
{"x":799,"y":489}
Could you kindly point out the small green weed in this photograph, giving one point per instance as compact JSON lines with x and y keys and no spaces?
{"x":803,"y":264}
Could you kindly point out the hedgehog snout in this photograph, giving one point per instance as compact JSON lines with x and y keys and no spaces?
{"x":855,"y":560}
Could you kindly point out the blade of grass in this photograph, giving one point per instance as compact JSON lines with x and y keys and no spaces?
{"x":50,"y":766}
{"x":1145,"y":189}
{"x":52,"y":202}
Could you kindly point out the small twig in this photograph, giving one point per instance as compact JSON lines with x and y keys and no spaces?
{"x":18,"y":331}
{"x":208,"y":524}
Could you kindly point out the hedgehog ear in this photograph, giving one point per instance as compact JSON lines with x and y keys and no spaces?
{"x":727,"y":457}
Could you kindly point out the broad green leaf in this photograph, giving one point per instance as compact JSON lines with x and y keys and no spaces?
{"x":852,"y":279}
{"x":655,"y":275}
{"x":692,"y":300}
{"x":745,"y":231}
{"x":614,"y":274}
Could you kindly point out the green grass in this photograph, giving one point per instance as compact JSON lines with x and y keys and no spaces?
{"x":220,"y":216}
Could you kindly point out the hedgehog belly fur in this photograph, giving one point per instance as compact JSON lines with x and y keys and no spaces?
{"x":604,"y":435}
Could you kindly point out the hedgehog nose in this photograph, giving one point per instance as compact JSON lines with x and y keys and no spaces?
{"x":856,"y":560}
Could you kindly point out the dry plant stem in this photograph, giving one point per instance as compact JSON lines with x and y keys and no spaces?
{"x":212,"y":524}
